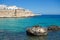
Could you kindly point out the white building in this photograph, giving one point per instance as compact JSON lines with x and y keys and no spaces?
{"x":2,"y":7}
{"x":12,"y":7}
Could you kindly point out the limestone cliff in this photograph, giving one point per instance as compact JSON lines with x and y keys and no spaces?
{"x":15,"y":13}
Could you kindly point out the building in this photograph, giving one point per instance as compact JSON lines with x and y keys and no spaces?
{"x":13,"y":11}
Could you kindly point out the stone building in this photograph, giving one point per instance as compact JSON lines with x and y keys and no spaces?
{"x":13,"y":11}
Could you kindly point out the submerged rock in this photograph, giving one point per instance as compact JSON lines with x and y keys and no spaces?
{"x":36,"y":30}
{"x":53,"y":28}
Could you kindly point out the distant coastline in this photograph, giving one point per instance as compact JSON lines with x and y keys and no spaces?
{"x":13,"y":11}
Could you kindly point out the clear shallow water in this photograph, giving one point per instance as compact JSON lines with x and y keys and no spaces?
{"x":14,"y":28}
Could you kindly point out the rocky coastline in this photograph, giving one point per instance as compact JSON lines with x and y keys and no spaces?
{"x":14,"y":11}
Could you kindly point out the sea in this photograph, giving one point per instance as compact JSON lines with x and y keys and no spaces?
{"x":15,"y":28}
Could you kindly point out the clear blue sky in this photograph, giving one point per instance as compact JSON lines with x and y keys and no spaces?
{"x":37,"y":6}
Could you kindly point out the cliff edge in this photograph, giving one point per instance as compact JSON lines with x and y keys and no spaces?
{"x":13,"y":11}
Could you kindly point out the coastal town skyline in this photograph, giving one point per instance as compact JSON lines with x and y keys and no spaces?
{"x":13,"y":7}
{"x":36,"y":6}
{"x":14,"y":11}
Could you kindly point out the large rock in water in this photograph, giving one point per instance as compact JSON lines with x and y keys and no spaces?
{"x":37,"y":31}
{"x":53,"y":28}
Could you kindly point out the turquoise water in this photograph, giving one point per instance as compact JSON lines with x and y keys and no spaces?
{"x":14,"y":28}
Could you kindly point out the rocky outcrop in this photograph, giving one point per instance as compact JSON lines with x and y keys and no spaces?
{"x":53,"y":28}
{"x":37,"y":31}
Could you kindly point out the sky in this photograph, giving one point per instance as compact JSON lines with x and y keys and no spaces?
{"x":36,"y":6}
